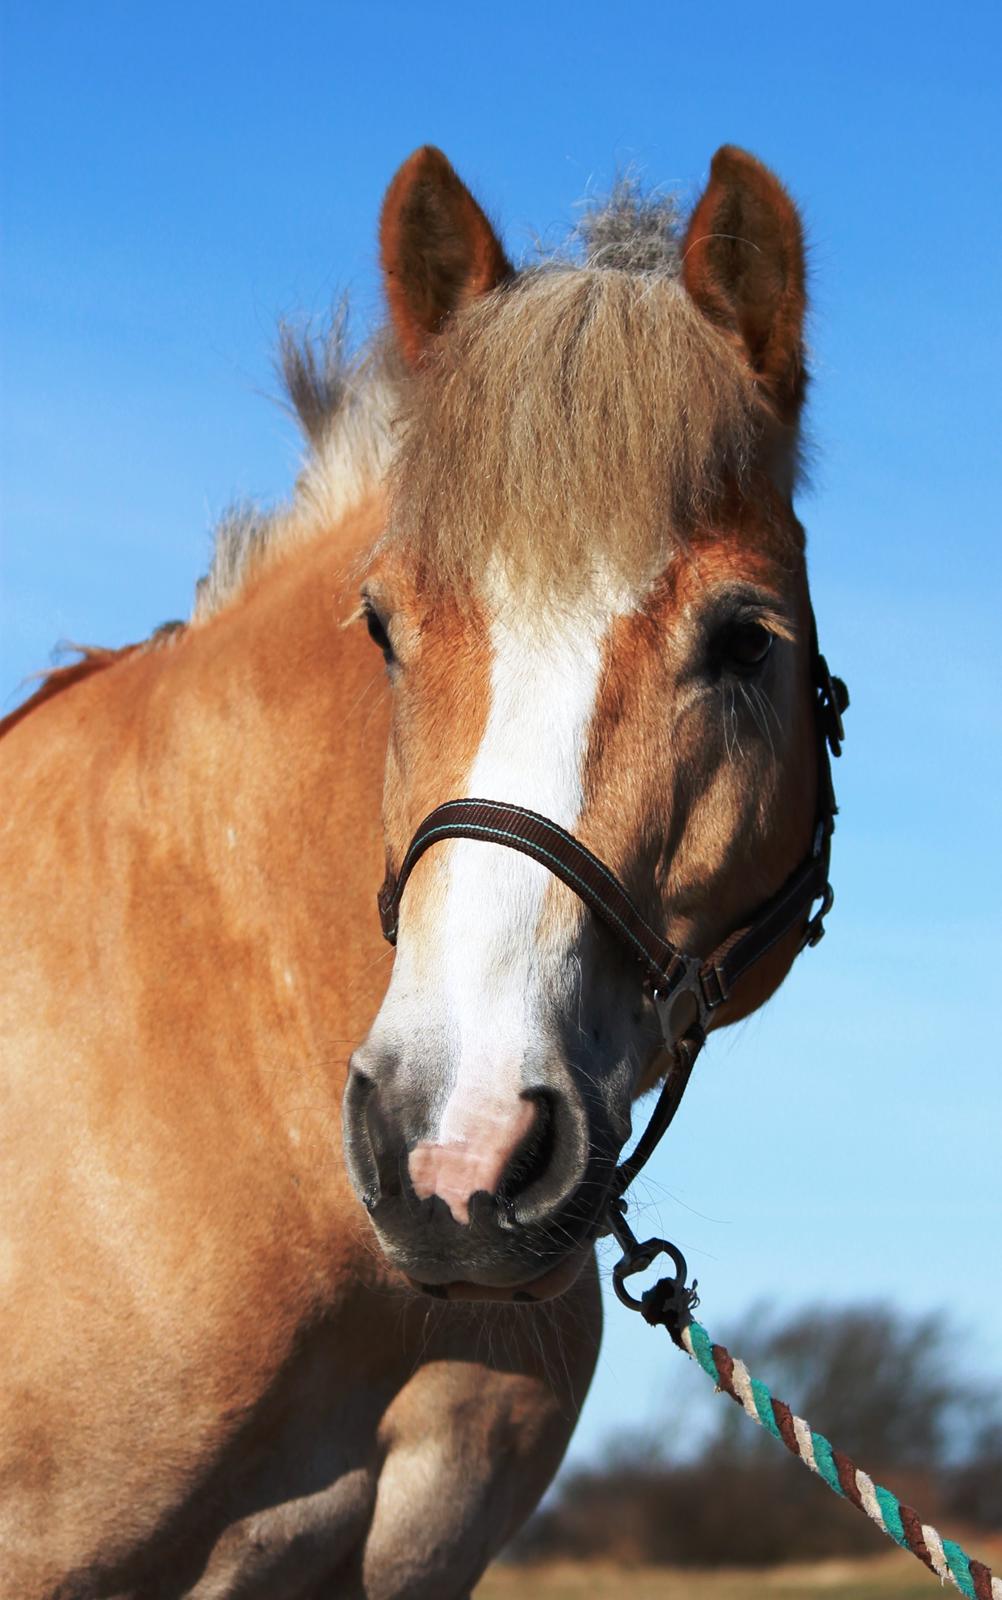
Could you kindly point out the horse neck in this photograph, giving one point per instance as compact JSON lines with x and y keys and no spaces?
{"x":189,"y":857}
{"x":214,"y":802}
{"x":271,"y":764}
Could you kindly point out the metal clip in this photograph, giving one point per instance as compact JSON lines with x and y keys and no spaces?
{"x":669,"y":1302}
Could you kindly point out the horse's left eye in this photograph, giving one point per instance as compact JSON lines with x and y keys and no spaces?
{"x":746,"y":645}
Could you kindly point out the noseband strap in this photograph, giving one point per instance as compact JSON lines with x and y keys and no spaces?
{"x":553,"y":847}
{"x":686,"y":989}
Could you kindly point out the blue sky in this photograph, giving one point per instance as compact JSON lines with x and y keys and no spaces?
{"x":176,"y":178}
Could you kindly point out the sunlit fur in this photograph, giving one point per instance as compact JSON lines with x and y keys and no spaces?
{"x":215,"y":1383}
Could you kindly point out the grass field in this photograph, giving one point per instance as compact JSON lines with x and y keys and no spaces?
{"x":896,"y":1576}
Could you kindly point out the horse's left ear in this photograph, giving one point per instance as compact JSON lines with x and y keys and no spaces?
{"x":743,"y":265}
{"x":438,"y":249}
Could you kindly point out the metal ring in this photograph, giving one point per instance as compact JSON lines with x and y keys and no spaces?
{"x":638,"y":1260}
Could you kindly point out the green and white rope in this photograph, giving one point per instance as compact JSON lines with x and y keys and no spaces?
{"x":899,"y":1521}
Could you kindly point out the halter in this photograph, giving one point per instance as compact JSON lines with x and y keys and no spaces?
{"x":686,"y":989}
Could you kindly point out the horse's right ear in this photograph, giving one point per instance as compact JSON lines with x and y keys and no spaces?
{"x":438,"y":250}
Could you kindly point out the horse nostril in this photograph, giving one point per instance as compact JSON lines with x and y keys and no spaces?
{"x":533,"y":1155}
{"x":363,"y":1167}
{"x":550,"y":1163}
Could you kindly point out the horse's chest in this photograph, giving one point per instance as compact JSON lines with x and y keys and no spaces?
{"x":406,"y":1504}
{"x":289,"y":1550}
{"x":397,"y":1531}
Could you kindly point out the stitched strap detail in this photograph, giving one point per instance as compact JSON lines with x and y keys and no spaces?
{"x":554,"y":848}
{"x":573,"y":863}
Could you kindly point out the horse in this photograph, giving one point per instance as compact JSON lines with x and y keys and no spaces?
{"x":300,"y":1294}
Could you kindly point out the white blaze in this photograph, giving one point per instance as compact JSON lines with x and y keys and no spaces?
{"x":544,"y":683}
{"x":473,"y":980}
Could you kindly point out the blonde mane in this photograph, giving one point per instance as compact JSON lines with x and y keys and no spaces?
{"x":345,"y":405}
{"x":584,"y":413}
{"x":572,"y":425}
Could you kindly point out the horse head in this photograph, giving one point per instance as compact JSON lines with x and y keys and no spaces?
{"x":592,"y":601}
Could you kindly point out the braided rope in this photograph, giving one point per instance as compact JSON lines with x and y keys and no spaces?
{"x":898,"y":1521}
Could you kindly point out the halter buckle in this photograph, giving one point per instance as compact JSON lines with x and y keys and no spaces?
{"x":688,"y":998}
{"x":833,"y":699}
{"x":815,"y":930}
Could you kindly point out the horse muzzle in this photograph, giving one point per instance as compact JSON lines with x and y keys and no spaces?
{"x":494,"y":1197}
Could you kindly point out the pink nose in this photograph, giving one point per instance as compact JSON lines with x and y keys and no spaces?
{"x":478,"y":1144}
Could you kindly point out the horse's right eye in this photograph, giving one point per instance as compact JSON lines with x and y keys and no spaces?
{"x":377,"y":630}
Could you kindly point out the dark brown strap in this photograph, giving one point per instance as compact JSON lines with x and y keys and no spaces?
{"x":778,"y":917}
{"x":683,"y":1059}
{"x":554,"y":848}
{"x":573,"y":863}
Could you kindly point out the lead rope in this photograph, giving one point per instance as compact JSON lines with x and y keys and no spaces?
{"x":669,"y":1304}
